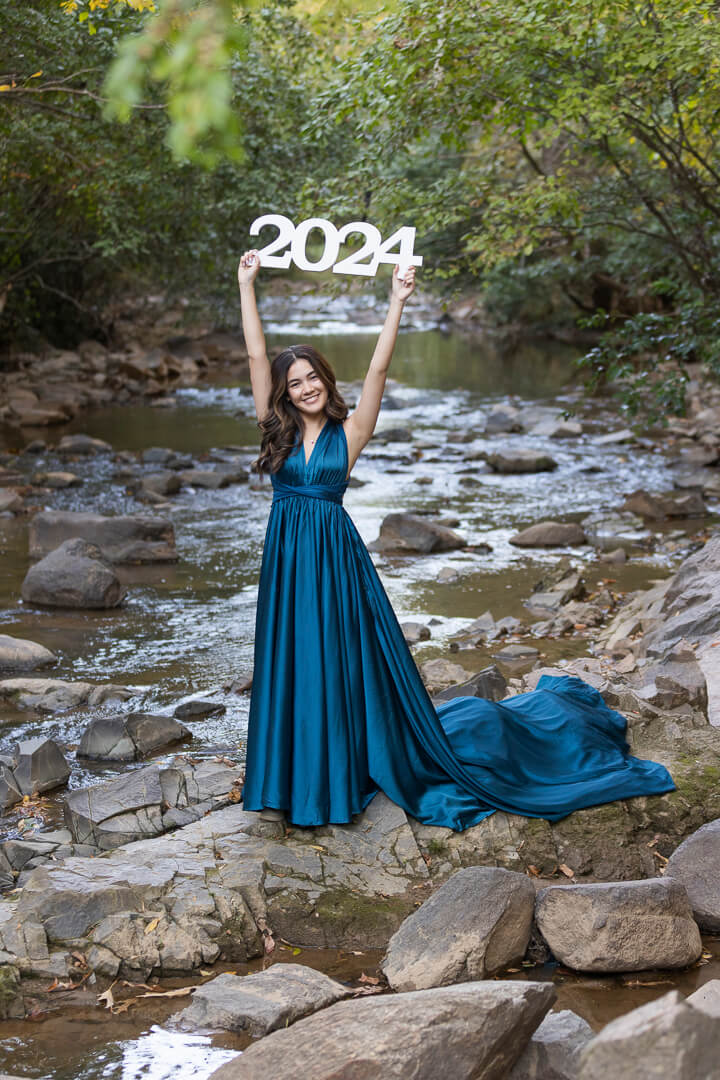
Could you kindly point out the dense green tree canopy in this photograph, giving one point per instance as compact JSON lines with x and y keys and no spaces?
{"x":562,"y":157}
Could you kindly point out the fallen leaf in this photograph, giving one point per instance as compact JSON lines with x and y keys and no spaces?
{"x":533,"y":870}
{"x":152,"y":925}
{"x":123,"y":1006}
{"x":269,"y":944}
{"x":566,"y":870}
{"x":107,"y":997}
{"x":371,"y":979}
{"x":316,"y":847}
{"x":296,"y":952}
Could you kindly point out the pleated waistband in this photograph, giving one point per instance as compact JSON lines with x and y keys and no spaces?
{"x":326,"y":492}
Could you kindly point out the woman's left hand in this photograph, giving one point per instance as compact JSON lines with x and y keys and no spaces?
{"x":403,"y":286}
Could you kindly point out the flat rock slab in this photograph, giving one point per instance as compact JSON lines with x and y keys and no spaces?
{"x":621,"y":926}
{"x":696,"y":866}
{"x":257,"y":1004}
{"x":146,"y":802}
{"x":19,"y":654}
{"x":667,"y":1038}
{"x":476,"y":1031}
{"x":553,"y":1052}
{"x":477,"y":923}
{"x":126,"y":538}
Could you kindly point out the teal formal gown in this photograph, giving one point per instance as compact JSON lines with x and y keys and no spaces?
{"x":339,"y":711}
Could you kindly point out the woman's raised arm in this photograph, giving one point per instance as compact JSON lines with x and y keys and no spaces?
{"x":361,"y":424}
{"x":253,"y":331}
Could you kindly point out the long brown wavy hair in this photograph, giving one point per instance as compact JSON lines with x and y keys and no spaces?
{"x":283,"y":426}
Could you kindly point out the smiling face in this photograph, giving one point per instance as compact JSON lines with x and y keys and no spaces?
{"x":306,"y":389}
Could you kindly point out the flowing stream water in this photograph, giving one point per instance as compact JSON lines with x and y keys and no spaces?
{"x":187,"y":628}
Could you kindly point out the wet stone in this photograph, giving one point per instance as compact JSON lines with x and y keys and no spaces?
{"x":553,"y":1052}
{"x":39,"y":765}
{"x":475,"y":1030}
{"x":258,"y":1004}
{"x":621,"y":926}
{"x":130,"y":737}
{"x":198,"y":709}
{"x":695,"y":864}
{"x":666,"y":1038}
{"x":477,"y":923}
{"x":74,"y":575}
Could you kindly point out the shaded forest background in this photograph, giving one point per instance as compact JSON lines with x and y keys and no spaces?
{"x":558,"y":160}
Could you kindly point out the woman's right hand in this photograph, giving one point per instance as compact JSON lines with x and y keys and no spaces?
{"x":249,"y":267}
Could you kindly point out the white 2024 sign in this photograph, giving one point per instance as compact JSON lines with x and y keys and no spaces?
{"x":375,"y":248}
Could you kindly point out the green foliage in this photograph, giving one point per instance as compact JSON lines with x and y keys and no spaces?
{"x":574,"y":143}
{"x":186,"y":47}
{"x":91,"y":206}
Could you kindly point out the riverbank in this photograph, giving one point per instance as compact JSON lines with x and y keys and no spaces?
{"x":441,"y":456}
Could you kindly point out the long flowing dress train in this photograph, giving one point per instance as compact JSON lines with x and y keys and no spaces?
{"x":339,"y":711}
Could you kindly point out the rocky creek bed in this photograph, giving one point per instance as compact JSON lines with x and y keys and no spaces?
{"x":156,"y":875}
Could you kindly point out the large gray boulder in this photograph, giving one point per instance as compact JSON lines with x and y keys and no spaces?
{"x":409,"y":532}
{"x":666,"y":1038}
{"x":126,"y":538}
{"x":74,"y":575}
{"x":550,"y":534}
{"x":553,"y":1052}
{"x":39,"y":765}
{"x":620,"y":926}
{"x":477,"y":923}
{"x":696,"y":866}
{"x":476,"y":1031}
{"x":130,"y":737}
{"x":19,"y":654}
{"x":260,"y":1003}
{"x":689,"y":607}
{"x":147,"y":802}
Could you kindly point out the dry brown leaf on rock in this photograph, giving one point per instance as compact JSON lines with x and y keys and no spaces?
{"x":107,"y":997}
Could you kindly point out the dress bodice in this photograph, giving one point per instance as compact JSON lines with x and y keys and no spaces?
{"x":324,"y":476}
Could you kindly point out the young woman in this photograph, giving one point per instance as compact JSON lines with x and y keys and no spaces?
{"x":338,"y":708}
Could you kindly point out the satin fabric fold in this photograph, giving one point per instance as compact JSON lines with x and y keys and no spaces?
{"x":339,"y":711}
